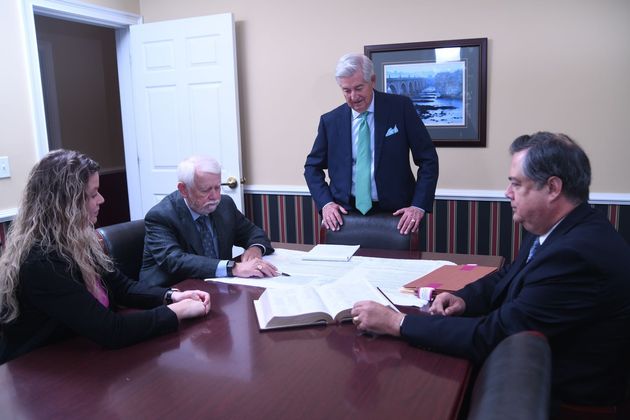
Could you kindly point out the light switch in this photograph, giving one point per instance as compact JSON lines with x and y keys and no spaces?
{"x":5,"y":171}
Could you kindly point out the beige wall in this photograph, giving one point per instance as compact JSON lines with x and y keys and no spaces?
{"x":17,"y":138}
{"x":559,"y":66}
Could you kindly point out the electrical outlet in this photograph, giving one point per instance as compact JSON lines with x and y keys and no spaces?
{"x":5,"y":171}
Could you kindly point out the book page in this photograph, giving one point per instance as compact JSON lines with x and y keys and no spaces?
{"x":294,"y":306}
{"x":340,"y":296}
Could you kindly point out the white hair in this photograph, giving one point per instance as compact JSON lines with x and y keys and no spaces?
{"x":186,"y":168}
{"x":353,"y":62}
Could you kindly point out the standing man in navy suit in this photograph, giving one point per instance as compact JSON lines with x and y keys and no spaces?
{"x":569,"y":281}
{"x":393,"y":129}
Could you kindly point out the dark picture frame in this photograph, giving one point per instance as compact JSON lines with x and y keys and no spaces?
{"x":446,"y":81}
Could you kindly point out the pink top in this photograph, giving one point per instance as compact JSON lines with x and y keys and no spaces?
{"x":100,"y":294}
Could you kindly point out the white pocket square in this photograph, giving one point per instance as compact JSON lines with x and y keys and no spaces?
{"x":393,"y":130}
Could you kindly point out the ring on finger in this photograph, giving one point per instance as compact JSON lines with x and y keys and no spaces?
{"x":259,"y":266}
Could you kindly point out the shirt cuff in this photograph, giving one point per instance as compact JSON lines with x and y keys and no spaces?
{"x":221,"y":269}
{"x":261,"y":246}
{"x":400,"y":327}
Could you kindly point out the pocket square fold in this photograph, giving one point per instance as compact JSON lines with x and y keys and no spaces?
{"x":393,"y":130}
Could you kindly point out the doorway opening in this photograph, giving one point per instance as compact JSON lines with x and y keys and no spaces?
{"x":79,"y":75}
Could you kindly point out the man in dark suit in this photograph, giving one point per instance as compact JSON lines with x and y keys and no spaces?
{"x":190,"y":233}
{"x":385,"y":182}
{"x":569,"y":281}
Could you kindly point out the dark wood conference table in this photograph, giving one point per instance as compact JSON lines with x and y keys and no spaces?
{"x":222,"y":367}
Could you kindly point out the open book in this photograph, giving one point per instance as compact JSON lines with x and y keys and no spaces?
{"x":306,"y":305}
{"x":450,"y":278}
{"x":326,"y":252}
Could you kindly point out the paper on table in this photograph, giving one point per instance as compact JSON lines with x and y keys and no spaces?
{"x":326,"y":252}
{"x":388,"y":274}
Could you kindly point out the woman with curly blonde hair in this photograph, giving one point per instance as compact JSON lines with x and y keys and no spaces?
{"x":55,"y":279}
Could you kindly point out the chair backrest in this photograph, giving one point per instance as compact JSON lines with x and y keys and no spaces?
{"x":515,"y":380}
{"x":378,"y":231}
{"x":124,"y":243}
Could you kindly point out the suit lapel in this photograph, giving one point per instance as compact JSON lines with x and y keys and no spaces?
{"x":509,"y":285}
{"x":219,"y":229}
{"x":381,"y":116}
{"x":344,"y":126}
{"x":190,"y":232}
{"x":516,"y":270}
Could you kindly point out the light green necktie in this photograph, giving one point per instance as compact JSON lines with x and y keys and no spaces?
{"x":363,"y":168}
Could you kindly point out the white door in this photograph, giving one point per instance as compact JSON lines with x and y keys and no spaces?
{"x":185,"y":101}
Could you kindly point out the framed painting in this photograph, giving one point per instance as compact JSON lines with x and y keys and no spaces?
{"x":446,"y":82}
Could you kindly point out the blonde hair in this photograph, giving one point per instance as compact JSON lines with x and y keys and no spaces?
{"x":53,"y":217}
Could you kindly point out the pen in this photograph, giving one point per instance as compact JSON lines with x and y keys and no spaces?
{"x":388,"y":299}
{"x":282,"y":273}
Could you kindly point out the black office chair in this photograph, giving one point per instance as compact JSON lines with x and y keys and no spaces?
{"x":124,"y":243}
{"x":378,"y":231}
{"x":514,"y":381}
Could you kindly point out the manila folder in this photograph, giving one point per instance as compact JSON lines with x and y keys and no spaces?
{"x":450,"y":278}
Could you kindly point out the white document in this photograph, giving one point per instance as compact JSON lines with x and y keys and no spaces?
{"x":325,"y":252}
{"x":385,"y":273}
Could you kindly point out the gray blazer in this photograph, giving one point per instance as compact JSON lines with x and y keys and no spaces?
{"x":172,"y":244}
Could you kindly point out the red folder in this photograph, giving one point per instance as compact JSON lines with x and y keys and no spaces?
{"x":450,"y":278}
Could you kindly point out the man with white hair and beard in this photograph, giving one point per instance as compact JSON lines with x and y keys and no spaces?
{"x":190,"y":233}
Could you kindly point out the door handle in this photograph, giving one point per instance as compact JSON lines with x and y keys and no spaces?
{"x":230,"y":182}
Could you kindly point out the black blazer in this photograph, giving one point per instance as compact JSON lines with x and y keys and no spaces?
{"x":54,"y":304}
{"x":395,"y":183}
{"x":576,"y":291}
{"x":172,"y":243}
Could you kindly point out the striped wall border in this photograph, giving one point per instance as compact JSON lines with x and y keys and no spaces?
{"x":454,"y":226}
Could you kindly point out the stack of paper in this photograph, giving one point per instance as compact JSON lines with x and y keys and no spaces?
{"x":325,"y":252}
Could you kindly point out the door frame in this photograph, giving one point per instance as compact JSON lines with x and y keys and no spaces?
{"x":120,"y":21}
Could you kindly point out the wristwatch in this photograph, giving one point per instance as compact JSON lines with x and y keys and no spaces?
{"x":229,"y":267}
{"x":168,"y":297}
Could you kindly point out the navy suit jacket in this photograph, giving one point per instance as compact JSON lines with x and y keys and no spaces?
{"x":172,"y":244}
{"x":575,"y":290}
{"x":395,"y":183}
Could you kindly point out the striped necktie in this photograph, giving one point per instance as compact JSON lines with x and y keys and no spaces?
{"x":533,"y":249}
{"x":210,"y":245}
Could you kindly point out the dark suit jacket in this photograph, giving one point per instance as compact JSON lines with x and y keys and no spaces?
{"x":576,"y":291}
{"x":54,"y":304}
{"x":172,"y":244}
{"x":395,"y":183}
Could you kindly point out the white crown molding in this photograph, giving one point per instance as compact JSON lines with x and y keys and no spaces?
{"x":440,"y":194}
{"x":7,"y":215}
{"x":609,"y":198}
{"x":276,"y":189}
{"x":84,"y":13}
